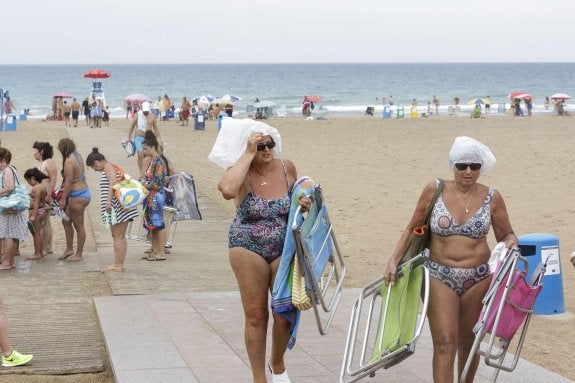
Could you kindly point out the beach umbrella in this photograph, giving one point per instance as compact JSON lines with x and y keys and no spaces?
{"x":137,"y":97}
{"x":63,"y":95}
{"x":263,"y":104}
{"x":222,"y":101}
{"x":205,"y":100}
{"x":229,"y":98}
{"x":97,"y":73}
{"x":476,"y":101}
{"x":560,"y":96}
{"x":313,"y":99}
{"x":521,"y":95}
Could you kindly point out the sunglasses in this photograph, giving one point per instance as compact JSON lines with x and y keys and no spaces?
{"x":270,"y":145}
{"x":463,"y":167}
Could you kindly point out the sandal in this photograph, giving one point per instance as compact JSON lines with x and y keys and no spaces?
{"x":155,"y":258}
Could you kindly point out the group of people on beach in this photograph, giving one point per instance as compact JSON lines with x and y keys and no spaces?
{"x":94,"y":110}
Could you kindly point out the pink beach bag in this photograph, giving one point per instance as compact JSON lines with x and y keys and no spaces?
{"x":519,"y":303}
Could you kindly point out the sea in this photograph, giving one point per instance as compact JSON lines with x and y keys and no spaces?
{"x":344,"y":89}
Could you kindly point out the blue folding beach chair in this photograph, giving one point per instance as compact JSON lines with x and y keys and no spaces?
{"x":321,"y":262}
{"x":388,"y":321}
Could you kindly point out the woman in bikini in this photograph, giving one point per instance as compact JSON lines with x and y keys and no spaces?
{"x":43,"y":152}
{"x":38,"y":197}
{"x":260,"y":186}
{"x":459,"y":252}
{"x":75,"y":197}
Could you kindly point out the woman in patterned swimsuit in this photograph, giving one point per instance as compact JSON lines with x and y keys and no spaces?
{"x":260,"y":186}
{"x":459,"y":253}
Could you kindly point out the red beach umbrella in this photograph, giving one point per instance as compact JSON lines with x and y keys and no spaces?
{"x":313,"y":99}
{"x":137,"y":97}
{"x":63,"y":95}
{"x":97,"y":73}
{"x":515,"y":95}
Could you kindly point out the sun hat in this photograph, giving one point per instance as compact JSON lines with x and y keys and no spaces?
{"x":145,"y":106}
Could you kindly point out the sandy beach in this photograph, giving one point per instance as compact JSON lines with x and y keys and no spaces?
{"x":372,"y":171}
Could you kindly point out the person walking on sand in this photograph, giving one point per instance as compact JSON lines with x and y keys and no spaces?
{"x":145,"y":121}
{"x":185,"y":111}
{"x":75,"y":107}
{"x":113,"y":214}
{"x":86,"y":110}
{"x":67,"y":112}
{"x":75,"y":198}
{"x":10,"y":357}
{"x":436,"y":104}
{"x":8,"y":106}
{"x":487,"y":103}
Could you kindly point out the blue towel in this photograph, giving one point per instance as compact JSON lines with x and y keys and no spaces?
{"x":281,"y":293}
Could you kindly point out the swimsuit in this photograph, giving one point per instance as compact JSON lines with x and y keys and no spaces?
{"x":260,"y":225}
{"x":442,"y":223}
{"x":154,"y":201}
{"x":458,"y":279}
{"x":81,"y":193}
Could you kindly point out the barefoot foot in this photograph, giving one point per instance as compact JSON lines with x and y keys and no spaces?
{"x":75,"y":258}
{"x":35,"y":257}
{"x":66,"y":255}
{"x":113,"y":268}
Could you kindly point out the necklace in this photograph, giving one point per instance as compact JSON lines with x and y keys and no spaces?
{"x":263,"y":182}
{"x":465,"y":205}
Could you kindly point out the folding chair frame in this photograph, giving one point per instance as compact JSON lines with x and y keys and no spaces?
{"x":371,"y":293}
{"x":324,"y":297}
{"x":138,"y":234}
{"x":495,"y":357}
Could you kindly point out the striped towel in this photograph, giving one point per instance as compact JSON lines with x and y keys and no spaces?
{"x":281,"y":293}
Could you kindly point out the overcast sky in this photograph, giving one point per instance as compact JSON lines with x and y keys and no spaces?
{"x":271,"y":31}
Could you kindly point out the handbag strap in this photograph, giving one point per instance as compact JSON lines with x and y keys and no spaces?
{"x":16,"y":180}
{"x":438,"y":191}
{"x":121,"y":171}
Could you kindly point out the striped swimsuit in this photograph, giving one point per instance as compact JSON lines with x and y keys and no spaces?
{"x":122,"y":215}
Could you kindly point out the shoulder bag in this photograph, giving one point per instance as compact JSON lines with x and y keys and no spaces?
{"x":18,"y":200}
{"x":421,"y":233}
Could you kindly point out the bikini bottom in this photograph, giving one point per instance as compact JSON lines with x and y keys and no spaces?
{"x":458,"y":279}
{"x":82,"y":193}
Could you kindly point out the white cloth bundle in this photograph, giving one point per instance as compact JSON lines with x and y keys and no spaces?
{"x":232,"y":140}
{"x":469,"y":150}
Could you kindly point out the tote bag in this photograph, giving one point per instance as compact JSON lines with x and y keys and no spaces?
{"x":18,"y":200}
{"x":128,"y":191}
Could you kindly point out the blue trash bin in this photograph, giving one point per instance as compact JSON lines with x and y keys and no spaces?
{"x":23,"y":116}
{"x":221,"y":116}
{"x":541,"y":247}
{"x":386,"y":111}
{"x":199,"y":121}
{"x":10,"y":122}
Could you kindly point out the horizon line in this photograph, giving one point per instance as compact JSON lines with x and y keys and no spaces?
{"x":299,"y":63}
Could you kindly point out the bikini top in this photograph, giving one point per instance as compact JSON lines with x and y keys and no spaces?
{"x":83,"y":176}
{"x":442,"y":222}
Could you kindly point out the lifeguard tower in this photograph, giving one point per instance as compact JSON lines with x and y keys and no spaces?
{"x":97,"y":89}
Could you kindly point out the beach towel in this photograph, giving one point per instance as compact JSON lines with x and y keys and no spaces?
{"x":282,"y":290}
{"x":142,"y":121}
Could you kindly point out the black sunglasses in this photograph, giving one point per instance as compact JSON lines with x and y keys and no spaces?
{"x":463,"y":167}
{"x":270,"y":145}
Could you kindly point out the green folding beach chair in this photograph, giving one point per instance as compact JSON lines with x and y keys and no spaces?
{"x":394,"y":312}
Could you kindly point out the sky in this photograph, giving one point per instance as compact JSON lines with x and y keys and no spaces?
{"x":271,"y":31}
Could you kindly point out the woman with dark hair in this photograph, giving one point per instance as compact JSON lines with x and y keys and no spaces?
{"x":37,"y":211}
{"x":43,"y":152}
{"x":112,"y":212}
{"x":13,"y":225}
{"x":75,"y":197}
{"x":155,"y":181}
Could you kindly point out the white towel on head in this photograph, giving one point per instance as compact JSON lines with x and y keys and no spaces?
{"x":232,"y":140}
{"x":469,"y":150}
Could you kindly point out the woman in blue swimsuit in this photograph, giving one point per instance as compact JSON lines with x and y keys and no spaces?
{"x":460,"y":222}
{"x":260,"y":186}
{"x":75,"y":197}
